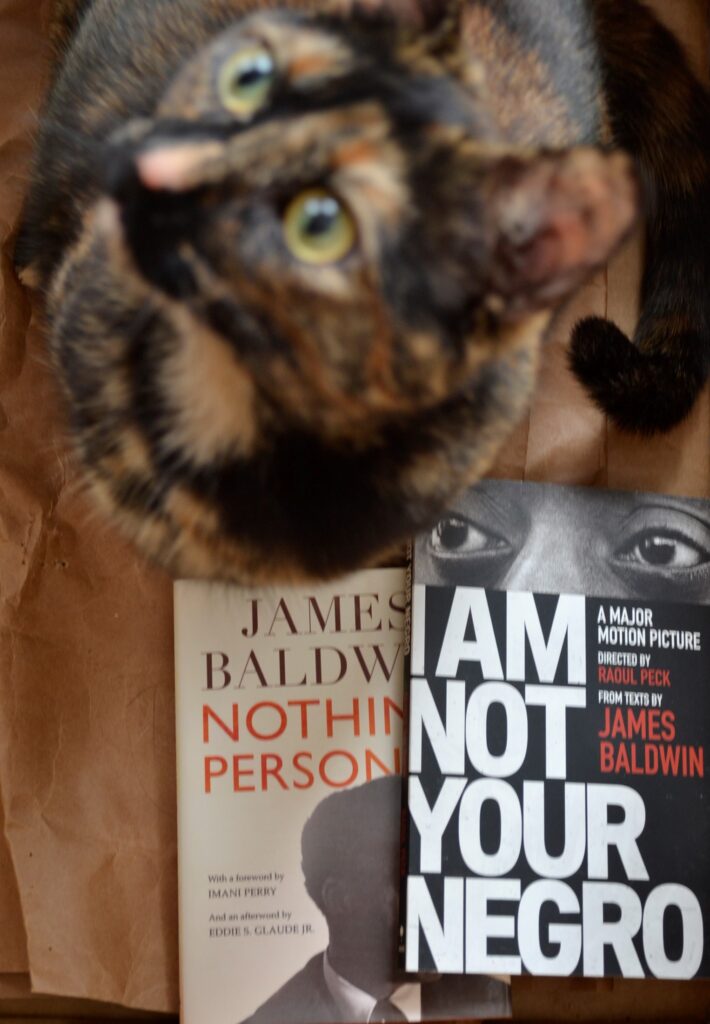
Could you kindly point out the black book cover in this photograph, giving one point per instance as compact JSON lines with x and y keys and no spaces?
{"x":560,"y":688}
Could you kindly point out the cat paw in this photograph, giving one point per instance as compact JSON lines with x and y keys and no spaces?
{"x":641,"y":392}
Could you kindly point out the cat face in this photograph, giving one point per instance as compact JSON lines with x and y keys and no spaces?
{"x":315,"y":188}
{"x":307,"y":304}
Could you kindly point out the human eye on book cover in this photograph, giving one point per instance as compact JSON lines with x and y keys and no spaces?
{"x":290,"y":713}
{"x":557,"y":797}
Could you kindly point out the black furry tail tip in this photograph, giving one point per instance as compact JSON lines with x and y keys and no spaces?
{"x":642,"y":393}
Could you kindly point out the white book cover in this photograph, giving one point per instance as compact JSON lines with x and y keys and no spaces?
{"x":290,"y":711}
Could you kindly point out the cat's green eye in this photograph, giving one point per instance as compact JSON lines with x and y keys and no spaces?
{"x":318,"y":228}
{"x":246,"y":80}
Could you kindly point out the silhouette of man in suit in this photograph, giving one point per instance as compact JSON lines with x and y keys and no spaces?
{"x":350,"y":850}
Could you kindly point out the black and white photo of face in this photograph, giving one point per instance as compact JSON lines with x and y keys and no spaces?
{"x":549,"y":539}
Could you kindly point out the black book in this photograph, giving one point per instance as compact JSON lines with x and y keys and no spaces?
{"x":560,"y":688}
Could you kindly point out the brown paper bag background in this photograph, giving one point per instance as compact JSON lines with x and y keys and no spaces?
{"x":87,"y":784}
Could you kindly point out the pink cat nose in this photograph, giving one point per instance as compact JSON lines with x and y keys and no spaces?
{"x":161,"y":166}
{"x":176,"y":166}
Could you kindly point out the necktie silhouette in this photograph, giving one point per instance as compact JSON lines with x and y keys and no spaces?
{"x":385,"y":1011}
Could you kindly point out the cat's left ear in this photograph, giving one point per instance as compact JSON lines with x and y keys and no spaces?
{"x":432,"y":26}
{"x":552,"y":220}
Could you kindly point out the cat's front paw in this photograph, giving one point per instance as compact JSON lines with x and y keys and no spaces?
{"x":644,"y":392}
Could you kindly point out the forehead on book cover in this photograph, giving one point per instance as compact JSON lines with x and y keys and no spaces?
{"x":545,"y":538}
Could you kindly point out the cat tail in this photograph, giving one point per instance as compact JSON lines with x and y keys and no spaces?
{"x":660,"y":113}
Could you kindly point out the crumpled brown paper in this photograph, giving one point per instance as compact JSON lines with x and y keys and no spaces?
{"x":87,"y":868}
{"x":87,"y":784}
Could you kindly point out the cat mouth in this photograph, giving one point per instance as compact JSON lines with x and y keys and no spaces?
{"x":107,"y":218}
{"x":153,"y":224}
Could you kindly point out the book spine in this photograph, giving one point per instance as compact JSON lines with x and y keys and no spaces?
{"x":404,"y":841}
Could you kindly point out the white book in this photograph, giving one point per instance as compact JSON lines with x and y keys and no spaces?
{"x":290,"y":710}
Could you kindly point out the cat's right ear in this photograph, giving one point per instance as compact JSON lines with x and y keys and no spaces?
{"x":552,"y":220}
{"x":441,"y":27}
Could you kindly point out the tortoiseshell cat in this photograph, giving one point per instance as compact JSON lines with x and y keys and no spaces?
{"x":299,"y":262}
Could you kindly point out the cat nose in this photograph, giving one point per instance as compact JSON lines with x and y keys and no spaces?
{"x":160,"y":163}
{"x":179,"y":165}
